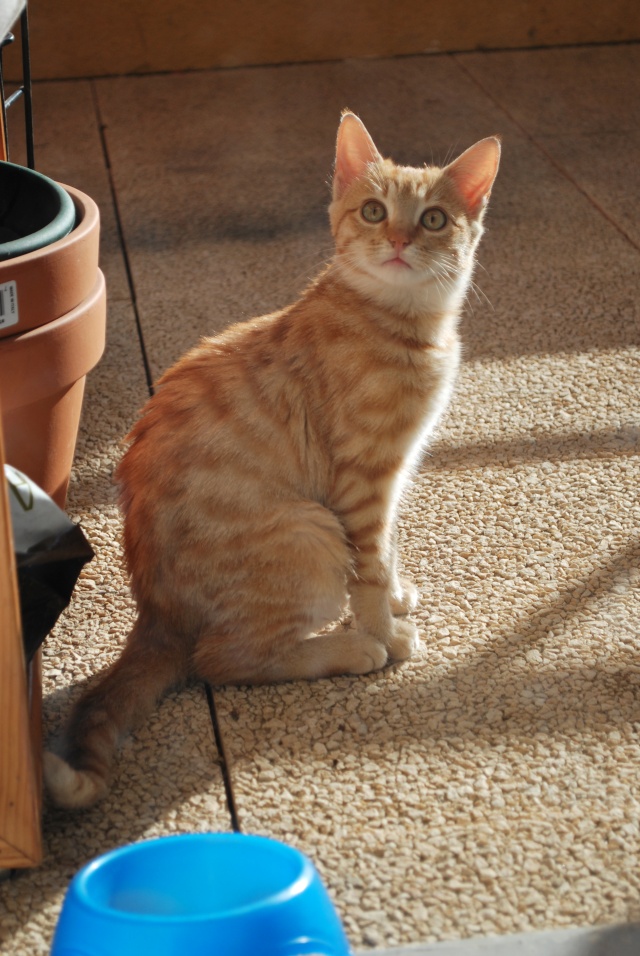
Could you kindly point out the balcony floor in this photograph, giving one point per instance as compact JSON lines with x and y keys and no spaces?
{"x":490,"y":785}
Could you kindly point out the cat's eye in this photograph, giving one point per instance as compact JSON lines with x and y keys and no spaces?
{"x":433,"y":219}
{"x":373,"y":211}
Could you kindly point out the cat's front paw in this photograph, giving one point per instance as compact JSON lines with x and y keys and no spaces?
{"x":404,"y":597}
{"x":403,"y":642}
{"x":366,"y":654}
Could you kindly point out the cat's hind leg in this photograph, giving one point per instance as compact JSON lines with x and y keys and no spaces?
{"x":286,"y":584}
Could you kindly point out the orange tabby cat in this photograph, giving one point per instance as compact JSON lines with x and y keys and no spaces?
{"x":261,"y":483}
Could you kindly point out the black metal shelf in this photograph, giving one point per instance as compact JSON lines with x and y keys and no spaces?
{"x":22,"y":93}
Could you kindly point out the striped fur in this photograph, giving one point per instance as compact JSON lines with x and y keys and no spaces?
{"x":261,"y":483}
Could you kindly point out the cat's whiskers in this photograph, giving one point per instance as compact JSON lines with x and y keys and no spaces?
{"x":480,"y":295}
{"x":434,"y":285}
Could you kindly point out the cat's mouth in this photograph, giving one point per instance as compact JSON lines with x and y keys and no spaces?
{"x":397,"y":262}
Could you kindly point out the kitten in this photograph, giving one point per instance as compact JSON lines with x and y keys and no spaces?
{"x":261,"y":483}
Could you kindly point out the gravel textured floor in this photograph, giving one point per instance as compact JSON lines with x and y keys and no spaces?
{"x":491,"y":784}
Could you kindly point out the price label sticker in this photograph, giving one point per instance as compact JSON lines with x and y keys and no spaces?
{"x":8,"y":304}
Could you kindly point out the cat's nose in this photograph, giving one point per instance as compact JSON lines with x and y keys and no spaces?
{"x":398,"y":238}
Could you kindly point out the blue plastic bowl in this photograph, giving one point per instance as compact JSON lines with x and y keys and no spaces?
{"x":203,"y":894}
{"x":35,"y":211}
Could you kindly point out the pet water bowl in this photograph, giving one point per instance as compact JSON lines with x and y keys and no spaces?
{"x":207,"y":894}
{"x":34,"y":211}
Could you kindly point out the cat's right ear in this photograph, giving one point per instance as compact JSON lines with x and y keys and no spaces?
{"x":474,"y":172}
{"x":354,"y":151}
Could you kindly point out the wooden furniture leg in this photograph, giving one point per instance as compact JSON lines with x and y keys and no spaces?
{"x":20,"y":716}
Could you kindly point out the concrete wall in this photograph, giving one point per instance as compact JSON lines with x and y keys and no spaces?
{"x":73,"y":38}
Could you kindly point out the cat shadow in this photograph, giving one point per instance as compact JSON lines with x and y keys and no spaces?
{"x":505,"y":690}
{"x":525,"y":700}
{"x":508,"y":689}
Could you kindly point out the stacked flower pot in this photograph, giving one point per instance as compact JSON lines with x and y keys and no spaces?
{"x":52,"y":321}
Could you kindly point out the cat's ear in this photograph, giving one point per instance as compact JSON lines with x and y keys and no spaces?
{"x":354,"y":151}
{"x":473,"y":173}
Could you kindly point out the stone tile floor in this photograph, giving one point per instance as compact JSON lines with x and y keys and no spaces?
{"x":491,"y":785}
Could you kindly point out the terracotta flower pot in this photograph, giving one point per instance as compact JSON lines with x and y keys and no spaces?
{"x":54,"y":303}
{"x":42,"y":378}
{"x":40,"y":286}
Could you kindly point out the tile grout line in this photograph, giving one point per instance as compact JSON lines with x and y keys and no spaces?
{"x":545,"y":152}
{"x":288,"y":64}
{"x":224,"y":763}
{"x":102,"y":129}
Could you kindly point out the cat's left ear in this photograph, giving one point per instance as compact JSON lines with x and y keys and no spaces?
{"x":473,"y":173}
{"x":354,"y":151}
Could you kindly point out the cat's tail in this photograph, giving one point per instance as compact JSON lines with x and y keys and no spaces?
{"x":148,"y":666}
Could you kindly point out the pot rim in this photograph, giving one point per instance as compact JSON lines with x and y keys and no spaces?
{"x":62,"y":223}
{"x":88,"y":216}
